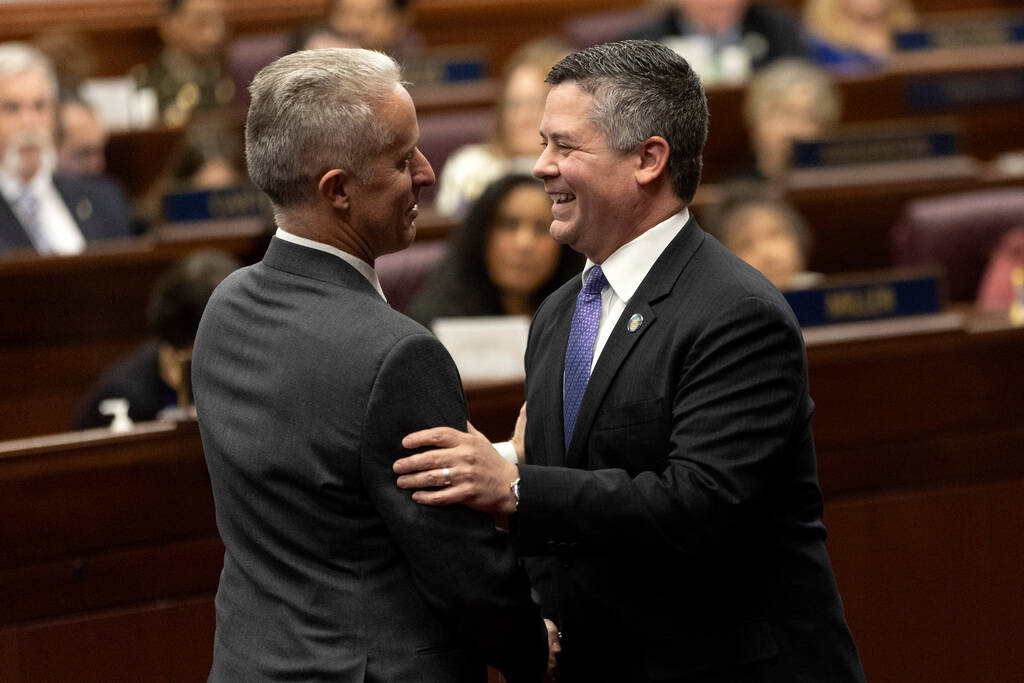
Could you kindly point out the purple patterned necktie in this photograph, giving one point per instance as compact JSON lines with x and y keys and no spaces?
{"x":579,"y":353}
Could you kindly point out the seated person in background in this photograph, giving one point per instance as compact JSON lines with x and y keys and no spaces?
{"x":502,"y":261}
{"x":189,"y":75}
{"x":854,"y":35}
{"x":724,"y":40}
{"x":319,"y":37}
{"x":382,"y":25}
{"x":514,"y":142}
{"x":766,"y":232}
{"x":155,"y":375}
{"x":997,"y":289}
{"x":71,"y":53}
{"x":210,"y":157}
{"x":54,"y":213}
{"x":81,"y":139}
{"x":788,"y":101}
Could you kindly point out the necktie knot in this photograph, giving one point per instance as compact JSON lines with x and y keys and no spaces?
{"x":595,"y":282}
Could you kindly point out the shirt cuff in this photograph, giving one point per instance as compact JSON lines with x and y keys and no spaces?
{"x":507,"y":450}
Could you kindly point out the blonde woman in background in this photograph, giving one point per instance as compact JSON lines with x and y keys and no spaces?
{"x":788,"y":101}
{"x":514,"y":143}
{"x":855,"y":35}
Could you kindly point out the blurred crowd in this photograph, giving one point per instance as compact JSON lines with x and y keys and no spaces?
{"x":57,"y":192}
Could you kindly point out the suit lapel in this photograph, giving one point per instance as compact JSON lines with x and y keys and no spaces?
{"x":656,"y":286}
{"x":12,"y":234}
{"x":318,"y":265}
{"x":551,"y":370}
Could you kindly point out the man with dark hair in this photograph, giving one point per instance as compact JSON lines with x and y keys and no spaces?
{"x":383,"y":25}
{"x":189,"y":75}
{"x":666,"y":492}
{"x":305,"y":381}
{"x":154,"y":376}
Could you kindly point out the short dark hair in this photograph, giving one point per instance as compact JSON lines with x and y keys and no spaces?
{"x":179,"y":297}
{"x":642,"y":88}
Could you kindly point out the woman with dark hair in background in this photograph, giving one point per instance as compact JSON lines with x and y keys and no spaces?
{"x":502,"y":261}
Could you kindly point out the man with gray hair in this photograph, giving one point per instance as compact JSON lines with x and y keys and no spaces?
{"x":305,"y":381}
{"x":666,"y":487}
{"x":52,"y":213}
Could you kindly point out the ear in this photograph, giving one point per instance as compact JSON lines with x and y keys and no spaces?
{"x":652,"y":158}
{"x":333,"y":190}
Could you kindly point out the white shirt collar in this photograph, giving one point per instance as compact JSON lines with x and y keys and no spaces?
{"x":364,"y":268}
{"x":628,"y":265}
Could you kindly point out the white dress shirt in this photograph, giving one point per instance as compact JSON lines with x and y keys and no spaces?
{"x":364,"y":268}
{"x":625,"y":269}
{"x":60,"y":231}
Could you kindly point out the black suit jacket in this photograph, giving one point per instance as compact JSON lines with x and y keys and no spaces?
{"x":780,"y":33}
{"x":97,"y":205}
{"x":305,"y":382}
{"x":681,"y":536}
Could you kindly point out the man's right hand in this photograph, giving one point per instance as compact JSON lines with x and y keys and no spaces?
{"x":554,"y":644}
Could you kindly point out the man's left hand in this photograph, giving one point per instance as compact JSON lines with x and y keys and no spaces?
{"x":465,"y":466}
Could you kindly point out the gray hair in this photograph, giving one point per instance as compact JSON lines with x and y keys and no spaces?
{"x":640,"y":89}
{"x":16,"y":58}
{"x":771,"y":84}
{"x":312,"y":111}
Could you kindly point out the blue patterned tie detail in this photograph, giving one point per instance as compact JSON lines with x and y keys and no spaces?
{"x":579,"y":353}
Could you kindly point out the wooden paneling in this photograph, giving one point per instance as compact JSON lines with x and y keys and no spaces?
{"x":110,"y":560}
{"x":68,"y":318}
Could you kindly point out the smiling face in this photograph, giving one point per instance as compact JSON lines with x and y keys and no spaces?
{"x":593,"y":187}
{"x":520,"y":255}
{"x":383,"y":205}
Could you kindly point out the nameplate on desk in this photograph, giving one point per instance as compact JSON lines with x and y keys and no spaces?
{"x":963,"y":34}
{"x":871,"y":298}
{"x":485,"y":348}
{"x":235,"y":202}
{"x":441,"y":69}
{"x":866,"y":149}
{"x":965,"y":90}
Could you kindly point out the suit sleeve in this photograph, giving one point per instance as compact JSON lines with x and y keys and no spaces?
{"x":737,"y":400}
{"x":464,"y":567}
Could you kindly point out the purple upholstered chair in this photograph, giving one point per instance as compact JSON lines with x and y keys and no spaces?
{"x":444,"y":132}
{"x":958,"y":233}
{"x":403,"y":273}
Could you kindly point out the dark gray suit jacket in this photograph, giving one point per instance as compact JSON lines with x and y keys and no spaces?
{"x":681,"y":536}
{"x":305,"y":382}
{"x":97,"y":205}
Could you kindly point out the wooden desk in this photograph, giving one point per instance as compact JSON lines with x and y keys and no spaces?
{"x":919,"y":440}
{"x":68,"y":318}
{"x":851,"y":211}
{"x":987,"y":128}
{"x":111,"y":556}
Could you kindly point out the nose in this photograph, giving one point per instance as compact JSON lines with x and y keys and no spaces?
{"x":524,"y":235}
{"x":545,"y":166}
{"x":423,"y":174}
